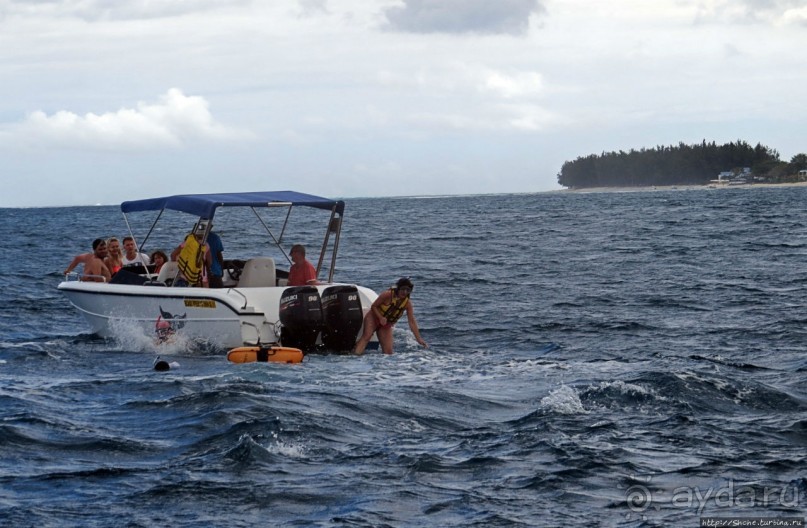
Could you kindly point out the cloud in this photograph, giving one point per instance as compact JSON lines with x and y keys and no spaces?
{"x":531,"y":118}
{"x":466,"y":79}
{"x":463,"y":16}
{"x":114,"y":9}
{"x":459,"y":96}
{"x":776,"y":12}
{"x":510,"y":86}
{"x":795,"y":15}
{"x":501,"y":118}
{"x":175,"y":121}
{"x":310,"y":7}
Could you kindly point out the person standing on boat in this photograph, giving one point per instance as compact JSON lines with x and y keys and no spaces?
{"x":194,"y":262}
{"x":385,"y":312}
{"x":131,"y":255}
{"x":217,"y":260}
{"x":301,"y":272}
{"x":94,"y":268}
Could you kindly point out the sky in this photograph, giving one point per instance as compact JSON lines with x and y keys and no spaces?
{"x":103,"y":101}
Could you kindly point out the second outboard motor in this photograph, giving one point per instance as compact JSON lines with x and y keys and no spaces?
{"x":341,"y":309}
{"x":300,"y":317}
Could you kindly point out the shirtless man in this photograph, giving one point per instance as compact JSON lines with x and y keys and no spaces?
{"x":94,"y":268}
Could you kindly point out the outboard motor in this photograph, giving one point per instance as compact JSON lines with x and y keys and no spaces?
{"x":300,"y":317}
{"x":343,"y":315}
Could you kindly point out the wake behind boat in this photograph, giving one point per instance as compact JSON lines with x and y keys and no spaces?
{"x":255,"y":306}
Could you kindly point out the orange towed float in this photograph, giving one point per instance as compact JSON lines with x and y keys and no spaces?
{"x":274,"y":354}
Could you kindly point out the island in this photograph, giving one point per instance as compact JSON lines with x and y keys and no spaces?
{"x":699,"y":164}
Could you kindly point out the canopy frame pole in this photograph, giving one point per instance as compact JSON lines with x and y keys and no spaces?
{"x":153,"y":225}
{"x":335,"y":246}
{"x":139,"y":247}
{"x":285,"y":223}
{"x":331,"y":222}
{"x":270,"y":232}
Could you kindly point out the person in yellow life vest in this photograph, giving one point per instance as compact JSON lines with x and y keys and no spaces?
{"x":194,"y":260}
{"x":385,"y":312}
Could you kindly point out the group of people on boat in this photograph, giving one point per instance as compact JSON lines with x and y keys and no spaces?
{"x":116,"y":258}
{"x":106,"y":259}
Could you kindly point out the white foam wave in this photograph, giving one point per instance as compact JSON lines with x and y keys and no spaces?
{"x":282,"y":448}
{"x":39,"y":346}
{"x":132,"y":336}
{"x":278,"y":447}
{"x":563,"y":400}
{"x":629,"y":389}
{"x":290,"y":450}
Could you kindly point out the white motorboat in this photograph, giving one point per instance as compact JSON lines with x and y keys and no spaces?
{"x":255,"y":306}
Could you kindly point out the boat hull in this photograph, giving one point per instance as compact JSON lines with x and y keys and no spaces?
{"x":227,"y":317}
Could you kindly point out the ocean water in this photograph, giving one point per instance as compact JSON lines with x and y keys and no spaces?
{"x":603,"y":359}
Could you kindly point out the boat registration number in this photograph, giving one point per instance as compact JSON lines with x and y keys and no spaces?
{"x":200,"y":303}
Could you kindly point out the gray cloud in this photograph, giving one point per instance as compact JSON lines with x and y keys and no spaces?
{"x":775,"y":5}
{"x":787,"y":11}
{"x":309,"y":7}
{"x":463,"y":16}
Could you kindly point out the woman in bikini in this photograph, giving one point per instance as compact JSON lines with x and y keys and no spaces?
{"x":114,"y":258}
{"x":385,"y":312}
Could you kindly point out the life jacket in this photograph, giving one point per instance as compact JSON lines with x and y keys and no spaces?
{"x":190,"y":260}
{"x":395,"y":309}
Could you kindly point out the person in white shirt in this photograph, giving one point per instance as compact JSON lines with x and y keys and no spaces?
{"x":130,"y":254}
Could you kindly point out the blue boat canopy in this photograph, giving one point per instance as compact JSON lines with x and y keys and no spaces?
{"x":204,"y":205}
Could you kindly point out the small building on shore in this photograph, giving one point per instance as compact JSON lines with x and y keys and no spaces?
{"x":738,"y":176}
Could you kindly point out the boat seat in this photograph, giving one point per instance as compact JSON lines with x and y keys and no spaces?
{"x":258,"y":272}
{"x":170,"y":270}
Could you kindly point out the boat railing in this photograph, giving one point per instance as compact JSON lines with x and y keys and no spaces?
{"x":274,"y":328}
{"x":257,"y":332}
{"x":234,"y":290}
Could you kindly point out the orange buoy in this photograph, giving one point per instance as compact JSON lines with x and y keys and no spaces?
{"x":275,"y":354}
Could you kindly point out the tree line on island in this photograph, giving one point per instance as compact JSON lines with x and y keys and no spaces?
{"x":683,"y":164}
